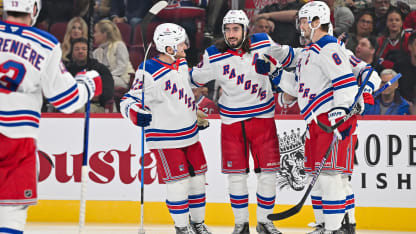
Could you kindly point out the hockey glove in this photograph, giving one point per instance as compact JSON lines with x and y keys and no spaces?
{"x":334,"y":116}
{"x":201,"y":121}
{"x":92,"y":80}
{"x":140,"y":117}
{"x":269,"y":66}
{"x":368,"y":98}
{"x":361,"y":104}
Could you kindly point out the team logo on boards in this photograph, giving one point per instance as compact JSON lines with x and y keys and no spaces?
{"x":292,"y":173}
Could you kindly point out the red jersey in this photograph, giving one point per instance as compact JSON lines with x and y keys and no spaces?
{"x":285,"y":109}
{"x":207,"y":105}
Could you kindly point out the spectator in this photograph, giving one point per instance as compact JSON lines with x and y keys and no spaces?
{"x":379,"y":9}
{"x":343,"y":16}
{"x":75,"y":29}
{"x":410,"y":21}
{"x":407,"y":67}
{"x":61,"y":11}
{"x":102,"y":9}
{"x":213,"y":13}
{"x":283,"y":15}
{"x":366,"y":50}
{"x":389,"y":102}
{"x":113,"y":53}
{"x":129,"y":11}
{"x":79,"y":62}
{"x":204,"y":103}
{"x":357,"y":5}
{"x":261,"y":24}
{"x":403,"y":7}
{"x":363,"y":27}
{"x":186,"y":13}
{"x":392,"y":46}
{"x":410,"y":3}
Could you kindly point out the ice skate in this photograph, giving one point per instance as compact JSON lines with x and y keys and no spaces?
{"x":184,"y":230}
{"x":267,"y":228}
{"x":339,"y":231}
{"x":319,"y":228}
{"x":200,"y":228}
{"x":241,"y":228}
{"x":349,"y":228}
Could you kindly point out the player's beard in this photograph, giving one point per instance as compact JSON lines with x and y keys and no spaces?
{"x":234,"y":42}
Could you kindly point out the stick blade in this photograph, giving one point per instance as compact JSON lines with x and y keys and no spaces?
{"x":158,"y":7}
{"x":285,"y":214}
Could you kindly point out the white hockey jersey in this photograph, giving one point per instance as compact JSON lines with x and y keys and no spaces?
{"x":289,"y":82}
{"x":323,"y":79}
{"x":168,"y":95}
{"x":30,"y":63}
{"x":245,"y":93}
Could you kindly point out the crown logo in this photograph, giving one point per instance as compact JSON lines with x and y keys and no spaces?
{"x":290,"y":141}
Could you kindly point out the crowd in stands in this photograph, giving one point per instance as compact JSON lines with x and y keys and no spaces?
{"x":379,"y":32}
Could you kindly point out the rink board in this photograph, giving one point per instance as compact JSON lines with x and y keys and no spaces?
{"x":384,"y":180}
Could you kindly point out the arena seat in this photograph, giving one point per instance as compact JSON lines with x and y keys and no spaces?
{"x":125,"y":31}
{"x":58,"y":30}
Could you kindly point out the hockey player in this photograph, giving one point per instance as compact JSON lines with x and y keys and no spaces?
{"x":171,"y":130}
{"x":247,"y":115}
{"x":325,"y":86}
{"x":30,"y":64}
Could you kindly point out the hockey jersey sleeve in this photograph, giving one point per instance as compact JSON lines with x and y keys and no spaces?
{"x":203,"y":72}
{"x":288,"y":83}
{"x":335,"y":63}
{"x":60,"y":87}
{"x":134,"y":96}
{"x":360,"y":70}
{"x":284,"y":53}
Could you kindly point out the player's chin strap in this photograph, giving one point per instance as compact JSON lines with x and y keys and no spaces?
{"x":313,"y":30}
{"x":175,"y":51}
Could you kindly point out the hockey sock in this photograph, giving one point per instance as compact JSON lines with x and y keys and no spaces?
{"x":333,"y":199}
{"x":177,"y":201}
{"x":266,"y":195}
{"x":237,"y":187}
{"x":13,"y":218}
{"x":350,"y":200}
{"x":197,"y":198}
{"x":316,"y":198}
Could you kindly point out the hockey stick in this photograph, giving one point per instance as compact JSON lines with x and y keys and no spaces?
{"x":386,"y":85}
{"x":145,"y":22}
{"x":294,"y":210}
{"x":148,"y":17}
{"x":84,"y":170}
{"x":354,"y":109}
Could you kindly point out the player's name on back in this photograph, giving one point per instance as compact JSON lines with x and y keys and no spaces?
{"x":22,"y":50}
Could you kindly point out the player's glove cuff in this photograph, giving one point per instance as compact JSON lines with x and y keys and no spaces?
{"x":336,"y":113}
{"x":140,"y":117}
{"x":202,"y":122}
{"x":92,"y":80}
